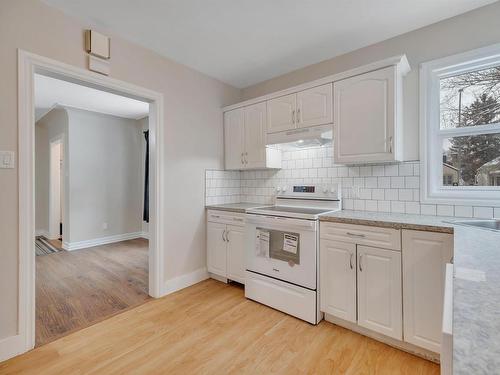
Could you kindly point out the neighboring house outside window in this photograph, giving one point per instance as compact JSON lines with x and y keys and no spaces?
{"x":460,"y":128}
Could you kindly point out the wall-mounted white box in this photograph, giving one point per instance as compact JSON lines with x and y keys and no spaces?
{"x":97,"y":44}
{"x":6,"y":159}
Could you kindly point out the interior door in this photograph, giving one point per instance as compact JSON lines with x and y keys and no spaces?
{"x":255,"y":136}
{"x":216,"y":249}
{"x":338,"y":279}
{"x":281,"y":113}
{"x":364,"y":117}
{"x":236,"y":253}
{"x":379,"y":291}
{"x":234,"y":138}
{"x":314,"y":106}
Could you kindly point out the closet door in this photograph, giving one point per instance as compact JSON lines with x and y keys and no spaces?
{"x":314,"y":106}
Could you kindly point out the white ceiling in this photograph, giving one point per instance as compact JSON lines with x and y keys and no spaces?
{"x":50,"y":92}
{"x":245,"y":42}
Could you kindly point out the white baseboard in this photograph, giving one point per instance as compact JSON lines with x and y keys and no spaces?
{"x":145,"y":235}
{"x":42,"y":232}
{"x":10,"y":347}
{"x":183,"y":281}
{"x":70,"y":246}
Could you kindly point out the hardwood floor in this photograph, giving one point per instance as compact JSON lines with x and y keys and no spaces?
{"x":210,"y":328}
{"x":75,"y":289}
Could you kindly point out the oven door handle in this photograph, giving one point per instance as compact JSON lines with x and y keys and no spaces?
{"x":283,"y":222}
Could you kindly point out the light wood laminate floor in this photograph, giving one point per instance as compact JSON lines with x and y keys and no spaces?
{"x":210,"y":328}
{"x":75,"y":289}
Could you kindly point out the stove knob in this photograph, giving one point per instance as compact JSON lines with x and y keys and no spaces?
{"x":278,"y":189}
{"x":325,"y":190}
{"x":283,"y":189}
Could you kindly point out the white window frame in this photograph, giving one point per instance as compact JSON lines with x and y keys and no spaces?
{"x":431,"y":136}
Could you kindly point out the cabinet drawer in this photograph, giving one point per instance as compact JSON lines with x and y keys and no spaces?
{"x":226,"y":217}
{"x":386,"y":238}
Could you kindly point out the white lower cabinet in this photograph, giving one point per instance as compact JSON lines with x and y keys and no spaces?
{"x":225,"y":245}
{"x":424,"y":267}
{"x":379,"y":291}
{"x":338,"y":279}
{"x":235,"y":253}
{"x":216,"y":249}
{"x":396,"y":291}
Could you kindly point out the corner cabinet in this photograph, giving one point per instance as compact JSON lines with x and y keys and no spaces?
{"x":245,"y":139}
{"x":225,"y":245}
{"x":368,"y":116}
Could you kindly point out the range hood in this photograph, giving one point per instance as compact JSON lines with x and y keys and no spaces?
{"x":319,"y":135}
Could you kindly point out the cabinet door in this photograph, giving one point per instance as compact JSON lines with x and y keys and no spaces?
{"x":379,"y":291}
{"x":314,"y":106}
{"x":338,"y":279}
{"x":281,"y":113}
{"x":234,"y":138}
{"x":425,"y":256}
{"x":255,"y":136}
{"x":216,"y":249}
{"x":364,"y":117}
{"x":236,"y":253}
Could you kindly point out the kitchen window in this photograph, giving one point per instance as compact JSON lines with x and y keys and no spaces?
{"x":460,"y":128}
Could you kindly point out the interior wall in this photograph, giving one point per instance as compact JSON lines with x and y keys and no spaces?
{"x":471,"y":30}
{"x":105,"y":186}
{"x":192,"y":138}
{"x":51,"y":126}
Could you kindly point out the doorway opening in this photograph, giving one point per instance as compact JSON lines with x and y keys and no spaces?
{"x":106,"y":258}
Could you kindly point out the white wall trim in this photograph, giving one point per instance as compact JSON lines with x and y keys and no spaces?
{"x":183,"y":281}
{"x":11,"y":346}
{"x":28,"y":65}
{"x":77,"y":245}
{"x":144,"y":235}
{"x":42,"y":232}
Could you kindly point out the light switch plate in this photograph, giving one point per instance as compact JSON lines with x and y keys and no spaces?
{"x":6,"y":159}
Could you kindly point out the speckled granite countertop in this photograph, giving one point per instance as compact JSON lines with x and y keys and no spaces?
{"x":392,"y":220}
{"x":234,"y":207}
{"x":476,"y":301}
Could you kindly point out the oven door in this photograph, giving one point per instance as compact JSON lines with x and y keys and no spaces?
{"x":282,"y":248}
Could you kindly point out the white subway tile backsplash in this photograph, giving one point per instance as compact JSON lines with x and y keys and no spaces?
{"x":385,"y":188}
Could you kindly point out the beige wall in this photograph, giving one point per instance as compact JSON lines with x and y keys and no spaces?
{"x":471,"y":30}
{"x":193,"y":139}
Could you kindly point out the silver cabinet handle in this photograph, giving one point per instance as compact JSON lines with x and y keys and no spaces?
{"x":355,"y":235}
{"x":360,"y":267}
{"x":242,"y":160}
{"x":227,"y":235}
{"x":350,"y":261}
{"x":390,"y":144}
{"x":298,"y":116}
{"x":215,"y":216}
{"x":293,"y":116}
{"x":246,"y":160}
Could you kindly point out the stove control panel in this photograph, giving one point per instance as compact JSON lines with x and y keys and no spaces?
{"x":310,"y":191}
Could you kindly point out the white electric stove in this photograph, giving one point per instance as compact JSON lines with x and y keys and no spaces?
{"x":282,"y":249}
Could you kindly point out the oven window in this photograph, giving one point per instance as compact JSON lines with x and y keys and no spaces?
{"x":279,"y":245}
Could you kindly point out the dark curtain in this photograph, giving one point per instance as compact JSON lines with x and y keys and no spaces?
{"x":145,"y":212}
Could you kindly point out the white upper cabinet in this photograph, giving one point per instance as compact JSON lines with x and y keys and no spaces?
{"x":245,"y":139}
{"x":367,"y":111}
{"x":338,"y":279}
{"x":314,"y":106}
{"x":425,"y":256}
{"x":234,"y":138}
{"x":379,"y":291}
{"x":255,"y":135}
{"x":303,"y":109}
{"x":281,"y":113}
